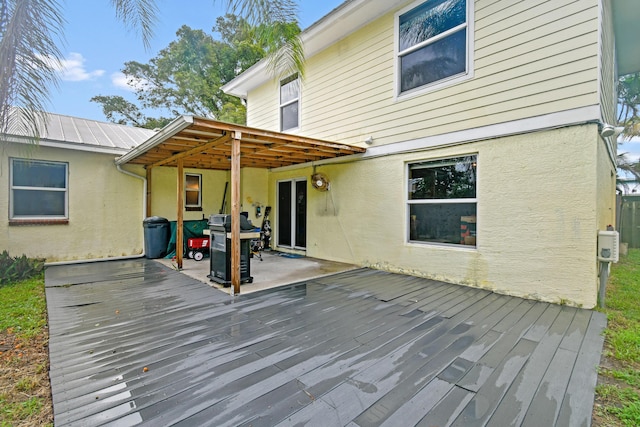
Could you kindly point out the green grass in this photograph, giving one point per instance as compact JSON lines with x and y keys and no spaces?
{"x":24,"y":384}
{"x":20,"y":410}
{"x":620,"y":392}
{"x":623,"y":308}
{"x":23,"y":307}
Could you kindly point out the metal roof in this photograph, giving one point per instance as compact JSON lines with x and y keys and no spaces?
{"x":84,"y":134}
{"x":206,"y":144}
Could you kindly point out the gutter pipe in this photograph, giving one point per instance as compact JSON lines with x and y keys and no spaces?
{"x":119,"y":258}
{"x":144,"y":198}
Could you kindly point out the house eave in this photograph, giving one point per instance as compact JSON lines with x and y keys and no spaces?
{"x":626,"y":15}
{"x":43,"y":142}
{"x":345,"y":19}
{"x":171,"y":129}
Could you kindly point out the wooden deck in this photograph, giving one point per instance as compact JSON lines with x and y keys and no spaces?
{"x":134,"y":342}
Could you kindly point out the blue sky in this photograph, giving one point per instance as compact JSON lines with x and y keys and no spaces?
{"x":97,"y":46}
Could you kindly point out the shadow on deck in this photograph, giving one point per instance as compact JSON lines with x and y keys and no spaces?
{"x":134,"y":342}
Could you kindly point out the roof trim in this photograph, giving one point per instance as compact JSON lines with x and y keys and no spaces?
{"x":169,"y":130}
{"x":626,"y":15}
{"x":66,"y":145}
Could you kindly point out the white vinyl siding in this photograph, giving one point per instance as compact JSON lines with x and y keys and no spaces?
{"x":530,"y":59}
{"x":608,"y":77}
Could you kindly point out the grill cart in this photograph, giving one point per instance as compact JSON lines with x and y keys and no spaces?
{"x":220,"y":249}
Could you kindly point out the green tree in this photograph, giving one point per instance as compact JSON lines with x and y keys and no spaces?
{"x":186,"y":76}
{"x":31,"y":30}
{"x":629,"y":118}
{"x":629,"y":105}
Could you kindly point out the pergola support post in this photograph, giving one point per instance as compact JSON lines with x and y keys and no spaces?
{"x":148,"y":198}
{"x":180,"y":216}
{"x":235,"y":212}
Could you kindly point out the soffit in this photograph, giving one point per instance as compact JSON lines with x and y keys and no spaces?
{"x":626,"y":15}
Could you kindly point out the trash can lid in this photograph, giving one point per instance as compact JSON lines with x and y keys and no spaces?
{"x":155,"y":220}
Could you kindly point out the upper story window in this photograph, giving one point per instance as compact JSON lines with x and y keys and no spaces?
{"x":289,"y":102}
{"x":193,"y":191}
{"x":442,"y":201}
{"x":39,"y":190}
{"x":433,"y":44}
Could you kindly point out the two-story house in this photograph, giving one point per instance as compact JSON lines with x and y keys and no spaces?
{"x":461,"y":140}
{"x":487,"y":163}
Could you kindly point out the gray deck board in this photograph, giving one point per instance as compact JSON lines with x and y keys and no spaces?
{"x":358,"y":348}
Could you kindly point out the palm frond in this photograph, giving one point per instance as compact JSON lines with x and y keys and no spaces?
{"x":29,"y":57}
{"x":138,"y":15}
{"x":629,"y":105}
{"x":277,"y":28}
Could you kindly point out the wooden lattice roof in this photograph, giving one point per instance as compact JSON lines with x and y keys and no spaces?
{"x":206,"y":144}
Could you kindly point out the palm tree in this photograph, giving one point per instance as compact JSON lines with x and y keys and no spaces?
{"x":629,"y":118}
{"x":31,"y":32}
{"x":629,"y":105}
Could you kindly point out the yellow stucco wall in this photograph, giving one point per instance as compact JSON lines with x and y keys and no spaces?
{"x":105,"y":210}
{"x":537,"y":216}
{"x":254,"y":191}
{"x":164,"y":187}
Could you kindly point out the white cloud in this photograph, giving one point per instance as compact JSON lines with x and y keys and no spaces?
{"x":122,"y":81}
{"x":72,"y":69}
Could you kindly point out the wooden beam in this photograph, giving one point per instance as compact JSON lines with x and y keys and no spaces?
{"x":196,"y":150}
{"x":148,"y":207}
{"x":180,"y":218}
{"x":235,"y":212}
{"x":260,"y":133}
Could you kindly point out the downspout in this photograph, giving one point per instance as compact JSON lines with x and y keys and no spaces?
{"x":144,"y":212}
{"x":144,"y":196}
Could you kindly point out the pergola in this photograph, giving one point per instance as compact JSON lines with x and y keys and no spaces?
{"x":196,"y":142}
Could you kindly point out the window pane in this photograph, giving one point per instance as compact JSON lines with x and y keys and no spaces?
{"x":39,"y":174}
{"x":436,"y":61}
{"x":38,"y":203}
{"x":444,"y":179}
{"x":192,"y":198}
{"x":429,"y":20}
{"x":192,"y":182}
{"x":289,"y":91}
{"x":453,"y":223}
{"x":289,"y":116}
{"x":284,"y":213}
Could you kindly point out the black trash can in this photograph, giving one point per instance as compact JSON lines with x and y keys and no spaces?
{"x":156,"y":236}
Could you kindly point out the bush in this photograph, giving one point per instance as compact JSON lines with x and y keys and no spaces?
{"x":13,"y":269}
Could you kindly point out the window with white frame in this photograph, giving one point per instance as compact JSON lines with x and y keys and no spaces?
{"x":442,"y":201}
{"x":289,"y":102}
{"x":39,"y":190}
{"x":433,"y":43}
{"x":193,"y":191}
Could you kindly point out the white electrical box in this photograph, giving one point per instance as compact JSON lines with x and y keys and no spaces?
{"x":608,"y":244}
